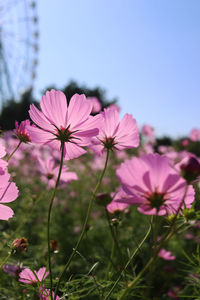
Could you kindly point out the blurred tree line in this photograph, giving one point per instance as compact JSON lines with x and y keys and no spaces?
{"x":18,"y":110}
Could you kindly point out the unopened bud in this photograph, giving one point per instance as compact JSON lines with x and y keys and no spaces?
{"x":20,"y":244}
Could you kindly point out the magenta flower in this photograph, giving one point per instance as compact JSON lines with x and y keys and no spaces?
{"x":166,"y":255}
{"x":185,"y":142}
{"x":8,"y":193}
{"x":21,"y":131}
{"x":58,"y":123}
{"x":96,"y":105}
{"x":114,"y":134}
{"x":152,"y":183}
{"x":27,"y":276}
{"x":49,"y":172}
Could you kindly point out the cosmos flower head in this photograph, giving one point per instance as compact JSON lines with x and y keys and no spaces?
{"x":148,"y":131}
{"x":59,"y":123}
{"x":195,"y":135}
{"x":152,"y":183}
{"x":3,"y":163}
{"x":115,"y":134}
{"x":21,"y":131}
{"x":8,"y":193}
{"x":49,"y":172}
{"x":115,"y":206}
{"x":27,"y":276}
{"x":166,"y":255}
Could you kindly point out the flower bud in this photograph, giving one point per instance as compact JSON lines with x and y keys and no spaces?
{"x":20,"y":244}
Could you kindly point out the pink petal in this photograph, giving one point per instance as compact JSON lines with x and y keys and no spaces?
{"x":27,"y":276}
{"x":5,"y":212}
{"x":39,"y":136}
{"x":111,"y":122}
{"x":54,"y":107}
{"x":73,"y":151}
{"x":41,"y":273}
{"x":9,"y":193}
{"x":39,"y":118}
{"x":78,"y":111}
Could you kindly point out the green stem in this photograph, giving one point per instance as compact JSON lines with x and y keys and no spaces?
{"x":84,"y":225}
{"x":129,"y":261}
{"x":9,"y":157}
{"x":114,"y":237}
{"x":111,"y":259}
{"x":150,"y":262}
{"x":49,"y":216}
{"x":6,"y":259}
{"x":157,"y":250}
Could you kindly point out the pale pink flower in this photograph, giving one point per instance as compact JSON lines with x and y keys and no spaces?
{"x":153,"y":184}
{"x":148,"y":131}
{"x":27,"y":276}
{"x":114,"y":134}
{"x":115,"y":206}
{"x":115,"y":106}
{"x":45,"y":293}
{"x":96,"y":105}
{"x":8,"y":193}
{"x":3,"y":163}
{"x":49,"y":172}
{"x":21,"y":131}
{"x":195,"y":135}
{"x":166,"y":255}
{"x":58,"y":122}
{"x":2,"y":149}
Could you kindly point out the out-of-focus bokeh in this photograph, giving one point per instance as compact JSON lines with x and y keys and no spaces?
{"x":144,"y":53}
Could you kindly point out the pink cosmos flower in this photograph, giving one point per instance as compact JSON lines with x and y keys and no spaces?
{"x":166,"y":255}
{"x":148,"y":131}
{"x":153,"y":184}
{"x":96,"y":105}
{"x":21,"y":131}
{"x":58,"y":122}
{"x":115,"y":206}
{"x":3,"y":163}
{"x":8,"y":193}
{"x":45,"y":293}
{"x":27,"y":276}
{"x":114,"y":134}
{"x":49,"y":172}
{"x":195,"y":135}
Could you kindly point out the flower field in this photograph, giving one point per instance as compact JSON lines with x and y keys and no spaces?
{"x":91,"y":207}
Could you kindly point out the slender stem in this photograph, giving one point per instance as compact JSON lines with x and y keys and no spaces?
{"x":129,"y":261}
{"x":49,"y":216}
{"x":9,"y":157}
{"x":114,"y":237}
{"x":6,"y":259}
{"x":171,"y":232}
{"x":84,"y":225}
{"x":152,"y":259}
{"x":111,"y":259}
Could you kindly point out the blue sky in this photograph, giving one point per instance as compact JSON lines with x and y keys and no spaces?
{"x":144,"y":52}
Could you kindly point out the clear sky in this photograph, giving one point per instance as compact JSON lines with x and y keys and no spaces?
{"x":144,"y":52}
